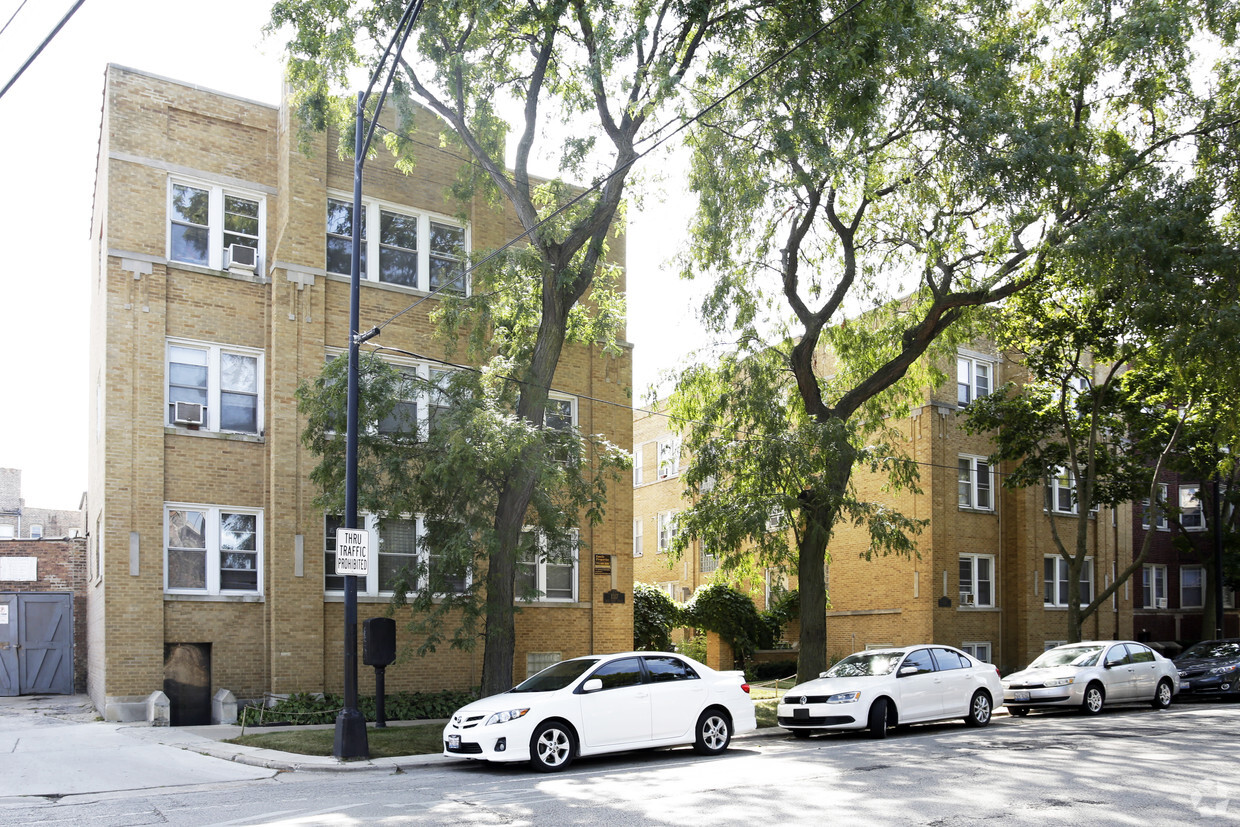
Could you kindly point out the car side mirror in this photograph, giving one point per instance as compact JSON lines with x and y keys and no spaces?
{"x":592,"y":685}
{"x":907,"y":670}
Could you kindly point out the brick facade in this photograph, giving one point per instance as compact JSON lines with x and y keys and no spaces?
{"x":902,"y":601}
{"x":291,"y":314}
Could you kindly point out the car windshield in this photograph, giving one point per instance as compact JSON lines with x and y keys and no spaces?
{"x":1213,"y":649}
{"x":556,"y":676}
{"x":865,"y":665}
{"x":1068,"y":656}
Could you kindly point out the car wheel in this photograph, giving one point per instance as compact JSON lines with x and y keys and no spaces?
{"x":979,"y":709}
{"x":1094,"y":698}
{"x":877,"y":722}
{"x":1162,"y":695}
{"x":802,"y":733}
{"x":552,"y":746}
{"x":1018,"y":711}
{"x":713,"y":732}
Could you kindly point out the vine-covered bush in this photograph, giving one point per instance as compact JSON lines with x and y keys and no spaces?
{"x":304,"y":708}
{"x":719,"y":608}
{"x":654,"y":617}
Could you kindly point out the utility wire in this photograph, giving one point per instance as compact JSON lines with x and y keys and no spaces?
{"x":14,"y":14}
{"x":623,"y":168}
{"x":42,"y":46}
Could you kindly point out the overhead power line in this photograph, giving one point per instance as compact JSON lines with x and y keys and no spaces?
{"x":42,"y":45}
{"x":11,"y":16}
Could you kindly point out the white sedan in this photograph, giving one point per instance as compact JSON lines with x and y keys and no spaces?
{"x":1092,"y":673}
{"x":881,"y":688}
{"x":604,"y":703}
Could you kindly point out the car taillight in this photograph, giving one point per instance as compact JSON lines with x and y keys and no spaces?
{"x":745,"y":688}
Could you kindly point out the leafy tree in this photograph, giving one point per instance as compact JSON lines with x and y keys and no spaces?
{"x":452,"y":471}
{"x":911,"y":166}
{"x":654,"y":616}
{"x":1126,"y":344}
{"x":599,"y":72}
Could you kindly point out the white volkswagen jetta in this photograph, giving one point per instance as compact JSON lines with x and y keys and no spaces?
{"x":881,"y":688}
{"x":604,"y":703}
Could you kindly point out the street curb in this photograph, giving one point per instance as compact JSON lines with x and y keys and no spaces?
{"x":288,"y":762}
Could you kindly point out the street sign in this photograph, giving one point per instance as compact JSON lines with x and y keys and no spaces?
{"x":352,"y":551}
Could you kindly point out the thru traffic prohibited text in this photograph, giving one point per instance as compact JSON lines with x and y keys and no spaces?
{"x":352,"y":551}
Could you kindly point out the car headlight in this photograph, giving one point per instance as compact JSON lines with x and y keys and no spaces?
{"x":844,"y":697}
{"x":1225,"y":670}
{"x":506,"y":716}
{"x":1060,"y":682}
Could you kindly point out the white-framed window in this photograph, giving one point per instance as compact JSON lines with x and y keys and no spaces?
{"x":561,"y":415}
{"x":708,"y":562}
{"x":404,"y":419}
{"x":1192,"y":516}
{"x":977,"y":580}
{"x":1192,"y":587}
{"x":547,"y":571}
{"x":205,"y":219}
{"x":1061,"y":494}
{"x":666,"y":522}
{"x":1155,"y":515}
{"x":1055,"y":581}
{"x":1154,"y":587}
{"x":220,"y":384}
{"x":7,"y":531}
{"x":413,"y":249}
{"x":36,"y":531}
{"x":669,"y":457}
{"x":975,"y":483}
{"x":973,"y":378}
{"x":638,"y":477}
{"x":637,"y":537}
{"x":212,"y":549}
{"x":397,"y":548}
{"x":776,"y":520}
{"x":979,"y":649}
{"x":1229,"y":597}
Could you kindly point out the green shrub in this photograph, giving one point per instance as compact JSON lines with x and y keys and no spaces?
{"x":654,"y":617}
{"x":305,"y":708}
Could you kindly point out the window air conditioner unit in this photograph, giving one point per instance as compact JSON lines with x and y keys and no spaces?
{"x":241,"y":257}
{"x":189,"y":413}
{"x":966,"y":599}
{"x":1160,"y":603}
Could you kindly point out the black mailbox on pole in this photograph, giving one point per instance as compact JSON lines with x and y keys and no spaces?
{"x":378,"y":650}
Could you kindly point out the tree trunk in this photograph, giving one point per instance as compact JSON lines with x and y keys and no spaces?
{"x":819,"y":511}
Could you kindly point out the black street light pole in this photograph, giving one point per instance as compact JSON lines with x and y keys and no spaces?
{"x":350,"y":741}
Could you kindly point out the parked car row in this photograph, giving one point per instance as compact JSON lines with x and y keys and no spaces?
{"x":633,"y":700}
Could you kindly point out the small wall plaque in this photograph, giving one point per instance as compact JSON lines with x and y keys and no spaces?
{"x":613,"y":596}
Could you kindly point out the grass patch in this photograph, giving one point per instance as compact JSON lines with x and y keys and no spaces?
{"x":766,"y":712}
{"x":389,"y":742}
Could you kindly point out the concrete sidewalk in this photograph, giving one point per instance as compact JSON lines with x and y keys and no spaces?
{"x":56,"y":745}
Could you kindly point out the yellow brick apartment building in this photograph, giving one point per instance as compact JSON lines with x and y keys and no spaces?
{"x":219,"y":285}
{"x":987,"y":576}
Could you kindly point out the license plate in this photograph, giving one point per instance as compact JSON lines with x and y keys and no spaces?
{"x":1022,"y":696}
{"x":800,"y":713}
{"x":454,"y":742}
{"x":1183,"y":685}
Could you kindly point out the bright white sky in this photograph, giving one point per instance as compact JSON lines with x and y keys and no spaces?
{"x":48,"y":148}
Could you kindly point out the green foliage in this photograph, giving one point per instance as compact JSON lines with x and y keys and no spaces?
{"x":731,"y":614}
{"x":694,"y":647}
{"x":654,"y":616}
{"x":452,"y":472}
{"x":771,"y":670}
{"x":306,"y":708}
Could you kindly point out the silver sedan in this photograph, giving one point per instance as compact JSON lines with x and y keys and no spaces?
{"x":1090,"y":674}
